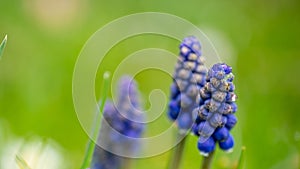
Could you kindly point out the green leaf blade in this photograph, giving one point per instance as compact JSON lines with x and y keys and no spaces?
{"x":96,"y":127}
{"x":2,"y":45}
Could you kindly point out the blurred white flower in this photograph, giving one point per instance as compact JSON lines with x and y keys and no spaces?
{"x":38,"y":154}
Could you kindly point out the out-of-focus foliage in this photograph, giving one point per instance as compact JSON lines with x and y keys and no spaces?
{"x":2,"y":45}
{"x":46,"y":36}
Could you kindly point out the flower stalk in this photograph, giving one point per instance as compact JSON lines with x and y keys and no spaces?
{"x":207,"y":161}
{"x":175,"y":161}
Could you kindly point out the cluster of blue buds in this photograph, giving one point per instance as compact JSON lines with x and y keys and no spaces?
{"x":103,"y":159}
{"x":122,"y":123}
{"x":129,"y":119}
{"x":215,"y":113}
{"x":189,"y":77}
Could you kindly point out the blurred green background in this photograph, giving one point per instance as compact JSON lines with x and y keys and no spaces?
{"x":46,"y":36}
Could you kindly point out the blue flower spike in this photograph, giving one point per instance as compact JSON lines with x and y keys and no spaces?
{"x":215,"y":112}
{"x":188,"y":78}
{"x":122,"y":123}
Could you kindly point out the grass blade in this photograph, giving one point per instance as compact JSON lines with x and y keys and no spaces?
{"x":2,"y":45}
{"x":21,"y":162}
{"x":241,"y":160}
{"x":96,"y":127}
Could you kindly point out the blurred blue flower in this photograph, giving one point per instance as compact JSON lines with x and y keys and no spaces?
{"x":121,"y":124}
{"x":188,"y":78}
{"x":103,"y":159}
{"x":215,"y":113}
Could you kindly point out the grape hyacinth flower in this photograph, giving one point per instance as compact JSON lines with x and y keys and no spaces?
{"x":216,"y":110}
{"x":188,"y":78}
{"x":121,"y":124}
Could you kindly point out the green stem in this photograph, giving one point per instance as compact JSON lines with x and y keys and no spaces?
{"x":96,"y":127}
{"x":177,"y":152}
{"x":241,"y":160}
{"x":207,"y":161}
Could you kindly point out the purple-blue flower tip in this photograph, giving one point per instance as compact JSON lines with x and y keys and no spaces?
{"x":219,"y":71}
{"x":190,"y":44}
{"x":207,"y":147}
{"x":227,"y":69}
{"x":227,"y":144}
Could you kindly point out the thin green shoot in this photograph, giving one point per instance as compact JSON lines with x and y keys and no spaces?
{"x":96,"y":127}
{"x":241,"y":160}
{"x":2,"y":45}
